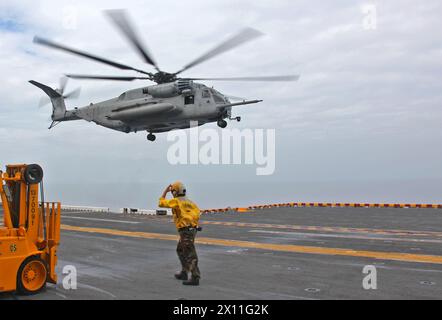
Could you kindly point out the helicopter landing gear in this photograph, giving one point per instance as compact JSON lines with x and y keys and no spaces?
{"x":222,"y":123}
{"x":151,"y":137}
{"x":235,"y":118}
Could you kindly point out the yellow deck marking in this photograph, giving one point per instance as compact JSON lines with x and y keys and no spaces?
{"x":408,"y":257}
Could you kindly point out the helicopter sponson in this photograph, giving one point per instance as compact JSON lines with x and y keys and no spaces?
{"x":142,"y":110}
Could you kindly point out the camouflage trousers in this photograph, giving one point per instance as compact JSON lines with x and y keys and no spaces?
{"x":187,"y":253}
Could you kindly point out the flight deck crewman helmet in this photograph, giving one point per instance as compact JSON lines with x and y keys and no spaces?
{"x":178,"y":189}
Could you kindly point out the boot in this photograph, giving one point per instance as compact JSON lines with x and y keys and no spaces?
{"x":192,"y":282}
{"x":182,"y":275}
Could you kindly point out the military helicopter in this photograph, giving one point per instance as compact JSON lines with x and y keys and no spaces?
{"x":172,"y":103}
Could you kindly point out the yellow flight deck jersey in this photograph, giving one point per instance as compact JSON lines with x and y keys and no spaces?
{"x":185,"y":212}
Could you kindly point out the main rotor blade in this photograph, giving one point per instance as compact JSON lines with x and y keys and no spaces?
{"x":121,"y":20}
{"x":268,"y":78}
{"x":242,"y":37}
{"x":82,"y":76}
{"x":57,"y":46}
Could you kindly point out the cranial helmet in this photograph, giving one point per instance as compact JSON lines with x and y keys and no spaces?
{"x":178,"y":189}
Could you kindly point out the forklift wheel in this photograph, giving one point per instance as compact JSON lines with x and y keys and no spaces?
{"x":32,"y":275}
{"x":33,"y":174}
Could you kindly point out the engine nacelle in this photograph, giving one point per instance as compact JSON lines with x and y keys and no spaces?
{"x":168,"y":90}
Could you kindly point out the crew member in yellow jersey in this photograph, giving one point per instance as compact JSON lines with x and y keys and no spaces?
{"x":186,"y":215}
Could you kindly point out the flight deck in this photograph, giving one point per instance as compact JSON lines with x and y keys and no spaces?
{"x":273,"y":253}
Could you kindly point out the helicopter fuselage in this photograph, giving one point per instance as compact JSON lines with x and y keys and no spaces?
{"x":156,"y":108}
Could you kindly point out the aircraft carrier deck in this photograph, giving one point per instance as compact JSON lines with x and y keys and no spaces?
{"x":275,"y":253}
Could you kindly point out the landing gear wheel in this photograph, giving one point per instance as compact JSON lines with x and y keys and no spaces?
{"x":222,"y":123}
{"x":31,"y":276}
{"x":33,"y":174}
{"x":151,"y":137}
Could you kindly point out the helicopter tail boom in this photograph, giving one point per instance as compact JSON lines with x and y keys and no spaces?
{"x":59,"y":112}
{"x":58,"y":105}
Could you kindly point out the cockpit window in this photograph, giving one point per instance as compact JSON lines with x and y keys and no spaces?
{"x":219,"y":98}
{"x":206,"y":93}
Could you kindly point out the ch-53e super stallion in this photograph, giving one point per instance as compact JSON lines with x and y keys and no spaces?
{"x":172,"y":103}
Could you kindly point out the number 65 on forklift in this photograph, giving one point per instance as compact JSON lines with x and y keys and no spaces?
{"x":30,"y":234}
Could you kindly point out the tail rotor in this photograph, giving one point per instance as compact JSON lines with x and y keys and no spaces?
{"x":74,"y":94}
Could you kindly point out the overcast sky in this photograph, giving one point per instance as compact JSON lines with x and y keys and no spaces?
{"x":363,"y":123}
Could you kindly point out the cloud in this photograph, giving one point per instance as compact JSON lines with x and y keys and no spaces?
{"x":365,"y":99}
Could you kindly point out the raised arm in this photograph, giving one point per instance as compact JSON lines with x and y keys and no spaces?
{"x":165,"y":203}
{"x":166,"y":191}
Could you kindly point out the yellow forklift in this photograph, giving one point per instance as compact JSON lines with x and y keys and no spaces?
{"x":30,"y":234}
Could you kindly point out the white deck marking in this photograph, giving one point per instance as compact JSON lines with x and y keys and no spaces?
{"x":104,"y":220}
{"x":327,"y":235}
